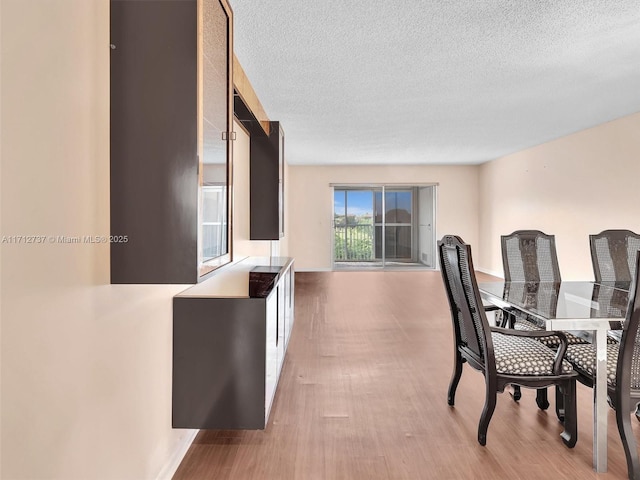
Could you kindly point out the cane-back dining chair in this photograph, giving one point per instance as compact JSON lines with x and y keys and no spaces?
{"x":623,"y":371}
{"x":530,"y":256}
{"x":504,"y":356}
{"x":613,"y":254}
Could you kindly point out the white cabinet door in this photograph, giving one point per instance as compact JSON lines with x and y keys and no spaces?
{"x":288,"y":304}
{"x":271,"y":373}
{"x":281,"y":323}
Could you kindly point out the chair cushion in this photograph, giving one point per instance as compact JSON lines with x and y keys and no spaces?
{"x":584,"y":358}
{"x":550,"y":341}
{"x":524,"y":356}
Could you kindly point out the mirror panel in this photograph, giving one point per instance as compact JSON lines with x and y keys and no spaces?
{"x":214,"y":123}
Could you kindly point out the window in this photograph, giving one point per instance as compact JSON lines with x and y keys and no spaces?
{"x":383,"y":226}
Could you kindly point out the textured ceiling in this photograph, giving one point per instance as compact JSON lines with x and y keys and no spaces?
{"x":437,"y":82}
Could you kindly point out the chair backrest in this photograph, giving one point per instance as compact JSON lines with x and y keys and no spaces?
{"x":470,"y":325}
{"x":613,"y":255}
{"x":530,"y":256}
{"x":541,"y":297}
{"x":628,"y":367}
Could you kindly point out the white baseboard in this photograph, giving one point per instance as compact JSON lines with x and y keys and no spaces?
{"x":490,"y":272}
{"x":169,"y":469}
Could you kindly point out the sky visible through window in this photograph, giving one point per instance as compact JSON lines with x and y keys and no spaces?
{"x":364,"y":232}
{"x":360,"y":202}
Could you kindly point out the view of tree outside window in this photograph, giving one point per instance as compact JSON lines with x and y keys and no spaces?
{"x":353,"y":225}
{"x":383,"y":225}
{"x":361,"y":219}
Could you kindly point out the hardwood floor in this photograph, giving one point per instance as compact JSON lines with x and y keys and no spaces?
{"x":363,"y":395}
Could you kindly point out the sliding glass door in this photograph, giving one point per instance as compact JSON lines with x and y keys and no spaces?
{"x":393,"y":225}
{"x":382,"y":226}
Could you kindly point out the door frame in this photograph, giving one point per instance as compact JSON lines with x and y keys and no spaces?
{"x":364,"y":186}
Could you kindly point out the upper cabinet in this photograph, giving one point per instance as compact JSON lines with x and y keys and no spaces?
{"x":267,"y":161}
{"x":171,"y":118}
{"x":267,"y":184}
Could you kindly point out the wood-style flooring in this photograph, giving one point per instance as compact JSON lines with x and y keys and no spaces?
{"x":363,"y":395}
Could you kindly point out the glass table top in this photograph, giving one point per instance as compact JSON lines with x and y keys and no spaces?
{"x":565,"y":300}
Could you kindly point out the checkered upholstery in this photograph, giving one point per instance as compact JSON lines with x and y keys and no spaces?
{"x":550,"y":341}
{"x":584,"y":359}
{"x":524,"y":356}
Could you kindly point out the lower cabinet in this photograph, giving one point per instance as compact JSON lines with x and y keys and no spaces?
{"x":228,"y":348}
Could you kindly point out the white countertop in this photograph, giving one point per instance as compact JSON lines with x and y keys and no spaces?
{"x":232,"y":281}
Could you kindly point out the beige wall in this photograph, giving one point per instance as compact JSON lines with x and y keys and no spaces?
{"x":0,"y":244}
{"x":242,"y":246}
{"x":85,"y":365}
{"x":580,"y":184}
{"x":311,"y":203}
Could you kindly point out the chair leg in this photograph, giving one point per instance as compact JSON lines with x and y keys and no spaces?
{"x":517,"y":393}
{"x":455,"y":378}
{"x":623,"y":419}
{"x":559,"y":404}
{"x":570,"y":433}
{"x":541,"y":399}
{"x":487,"y":412}
{"x":503,"y":320}
{"x":510,"y":321}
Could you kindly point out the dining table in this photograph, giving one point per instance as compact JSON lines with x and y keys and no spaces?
{"x":586,"y":309}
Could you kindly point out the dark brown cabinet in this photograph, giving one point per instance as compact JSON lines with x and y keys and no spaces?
{"x":267,"y":184}
{"x":229,"y":347}
{"x":171,"y":113}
